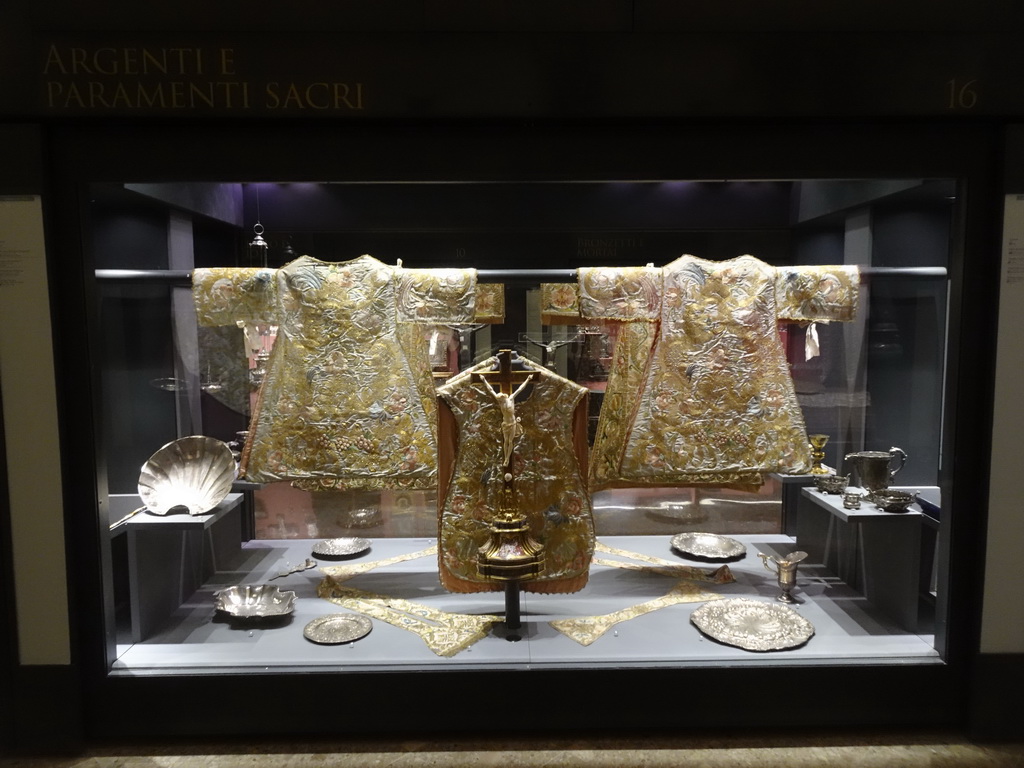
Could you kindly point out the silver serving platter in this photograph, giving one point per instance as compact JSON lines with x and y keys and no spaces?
{"x":752,"y":624}
{"x":191,"y":474}
{"x":341,"y":547}
{"x":709,"y":545}
{"x":251,"y":601}
{"x":337,"y":628}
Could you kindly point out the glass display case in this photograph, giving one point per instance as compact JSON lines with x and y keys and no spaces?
{"x":730,"y":542}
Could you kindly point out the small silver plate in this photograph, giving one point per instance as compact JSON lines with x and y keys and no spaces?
{"x":342,"y":547}
{"x":752,"y":624}
{"x":337,"y":628}
{"x":709,"y":545}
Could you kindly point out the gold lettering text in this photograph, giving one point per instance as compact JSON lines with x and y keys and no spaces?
{"x":78,"y":56}
{"x":104,"y":60}
{"x":53,"y":62}
{"x":227,"y":61}
{"x":150,"y":62}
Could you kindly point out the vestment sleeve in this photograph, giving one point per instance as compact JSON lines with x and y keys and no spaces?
{"x":226,"y":295}
{"x":560,"y":304}
{"x":620,"y":293}
{"x":436,"y":296}
{"x":817,"y":293}
{"x":490,"y":303}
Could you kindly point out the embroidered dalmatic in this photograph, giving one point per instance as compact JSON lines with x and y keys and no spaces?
{"x":700,"y":390}
{"x":348,"y":399}
{"x":548,"y":463}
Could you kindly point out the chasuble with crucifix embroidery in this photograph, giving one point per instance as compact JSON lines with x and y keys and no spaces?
{"x":547,"y":461}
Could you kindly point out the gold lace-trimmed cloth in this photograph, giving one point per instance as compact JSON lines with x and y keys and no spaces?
{"x":586,"y":629}
{"x":444,"y":632}
{"x":447,"y":633}
{"x":699,"y":391}
{"x":348,"y":398}
{"x":662,"y":567}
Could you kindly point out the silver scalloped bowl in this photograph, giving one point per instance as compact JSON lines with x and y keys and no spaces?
{"x":832,"y":483}
{"x":892,"y":500}
{"x":193,"y":474}
{"x":254,"y":601}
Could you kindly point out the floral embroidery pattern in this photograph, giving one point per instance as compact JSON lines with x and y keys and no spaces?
{"x":348,"y":399}
{"x":701,"y":391}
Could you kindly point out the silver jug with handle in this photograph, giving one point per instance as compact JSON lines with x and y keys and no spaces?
{"x":872,"y":467}
{"x":785,"y":570}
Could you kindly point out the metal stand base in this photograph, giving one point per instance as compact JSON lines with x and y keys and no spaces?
{"x":512,"y":615}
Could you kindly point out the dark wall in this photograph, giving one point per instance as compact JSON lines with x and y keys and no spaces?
{"x":515,"y":225}
{"x":907,"y":339}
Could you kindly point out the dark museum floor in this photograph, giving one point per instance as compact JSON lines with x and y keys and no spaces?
{"x":852,"y":749}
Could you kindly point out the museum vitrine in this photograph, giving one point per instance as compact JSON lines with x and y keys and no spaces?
{"x":745,"y":365}
{"x":472,"y":421}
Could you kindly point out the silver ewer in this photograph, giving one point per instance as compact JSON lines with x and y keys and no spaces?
{"x":785,"y":570}
{"x":873,"y":467}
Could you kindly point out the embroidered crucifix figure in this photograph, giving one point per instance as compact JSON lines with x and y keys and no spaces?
{"x":505,"y":397}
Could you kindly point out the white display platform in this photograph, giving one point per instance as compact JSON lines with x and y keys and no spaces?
{"x":197,"y":639}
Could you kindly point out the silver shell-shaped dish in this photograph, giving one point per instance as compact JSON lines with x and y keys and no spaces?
{"x":193,"y":474}
{"x":752,"y":624}
{"x":342,"y":547}
{"x":708,"y":545}
{"x":337,"y":628}
{"x":254,"y":601}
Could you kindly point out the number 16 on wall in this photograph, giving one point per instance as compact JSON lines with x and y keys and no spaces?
{"x":961,"y":93}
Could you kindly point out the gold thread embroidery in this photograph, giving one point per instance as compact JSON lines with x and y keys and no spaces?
{"x":345,"y":572}
{"x":700,"y":390}
{"x":550,"y":488}
{"x":444,"y":633}
{"x":720,"y":575}
{"x":587,"y":629}
{"x":348,"y":399}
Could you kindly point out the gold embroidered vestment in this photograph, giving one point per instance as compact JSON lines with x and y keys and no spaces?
{"x":700,"y":391}
{"x":348,"y":400}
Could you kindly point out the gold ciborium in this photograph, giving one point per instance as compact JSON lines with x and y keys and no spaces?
{"x":818,"y":453}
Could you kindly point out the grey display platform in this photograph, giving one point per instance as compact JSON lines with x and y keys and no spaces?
{"x":196,"y":638}
{"x":877,"y":553}
{"x":169,"y":557}
{"x":792,"y":485}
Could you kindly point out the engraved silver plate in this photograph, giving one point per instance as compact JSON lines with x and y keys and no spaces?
{"x":752,"y":624}
{"x":709,"y":545}
{"x":337,"y":628}
{"x":252,"y":601}
{"x":343,"y":547}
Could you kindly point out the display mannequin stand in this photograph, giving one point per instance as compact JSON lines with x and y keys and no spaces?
{"x":510,"y":555}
